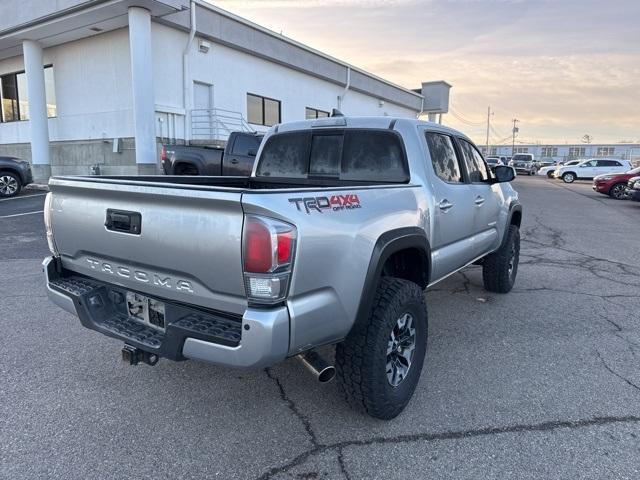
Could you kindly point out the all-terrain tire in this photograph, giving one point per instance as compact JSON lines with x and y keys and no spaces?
{"x":500,"y":268}
{"x":362,"y":358}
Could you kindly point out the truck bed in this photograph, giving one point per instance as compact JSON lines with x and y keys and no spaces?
{"x":220,"y":182}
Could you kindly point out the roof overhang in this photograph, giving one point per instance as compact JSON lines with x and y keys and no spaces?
{"x":80,"y":20}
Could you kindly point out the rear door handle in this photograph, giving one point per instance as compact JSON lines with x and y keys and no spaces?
{"x":479,"y":200}
{"x":445,"y":205}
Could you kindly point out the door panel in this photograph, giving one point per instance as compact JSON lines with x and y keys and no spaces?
{"x":239,"y":162}
{"x":202,"y":116}
{"x":587,"y":170}
{"x":487,"y":200}
{"x":453,"y":207}
{"x":202,"y":97}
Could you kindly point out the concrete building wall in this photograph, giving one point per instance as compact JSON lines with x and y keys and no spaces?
{"x":93,"y":98}
{"x":233,"y":74}
{"x":93,"y":87}
{"x":93,"y":90}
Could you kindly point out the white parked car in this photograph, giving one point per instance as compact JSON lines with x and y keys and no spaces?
{"x":550,"y":170}
{"x":588,"y":169}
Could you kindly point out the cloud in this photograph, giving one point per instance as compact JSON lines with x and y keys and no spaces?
{"x":564,"y":68}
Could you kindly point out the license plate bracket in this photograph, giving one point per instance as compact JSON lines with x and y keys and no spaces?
{"x":146,"y":310}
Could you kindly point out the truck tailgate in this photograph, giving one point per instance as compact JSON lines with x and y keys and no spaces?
{"x":188,"y":246}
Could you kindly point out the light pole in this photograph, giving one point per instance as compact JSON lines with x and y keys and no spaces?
{"x":513,"y":136}
{"x":489,"y":113}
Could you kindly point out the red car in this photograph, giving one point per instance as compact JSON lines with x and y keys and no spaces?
{"x":614,"y":184}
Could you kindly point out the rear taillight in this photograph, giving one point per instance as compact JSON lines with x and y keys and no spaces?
{"x":268,"y":249}
{"x":48,"y":225}
{"x":163,"y":154}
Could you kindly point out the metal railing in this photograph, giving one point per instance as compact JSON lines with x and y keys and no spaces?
{"x":216,"y":124}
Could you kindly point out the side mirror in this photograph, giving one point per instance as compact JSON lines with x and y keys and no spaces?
{"x":582,"y":166}
{"x":252,"y":152}
{"x":504,"y":173}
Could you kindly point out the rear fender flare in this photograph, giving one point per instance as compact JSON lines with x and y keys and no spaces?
{"x":387,"y":244}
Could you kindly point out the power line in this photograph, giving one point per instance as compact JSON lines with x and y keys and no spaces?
{"x":496,"y":132}
{"x":462,"y":118}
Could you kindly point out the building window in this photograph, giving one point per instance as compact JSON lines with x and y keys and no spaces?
{"x":262,"y":110}
{"x":549,"y":152}
{"x":311,"y":113}
{"x":50,"y":92}
{"x":521,"y":150}
{"x":9,"y":93}
{"x":14,"y":96}
{"x":577,"y":152}
{"x":605,"y":151}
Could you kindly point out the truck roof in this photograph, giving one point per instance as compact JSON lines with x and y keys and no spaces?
{"x":361,"y":122}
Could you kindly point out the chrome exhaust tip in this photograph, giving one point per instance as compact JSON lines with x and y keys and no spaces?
{"x":318,"y":366}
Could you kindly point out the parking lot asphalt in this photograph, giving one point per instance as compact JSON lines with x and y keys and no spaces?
{"x":543,"y":382}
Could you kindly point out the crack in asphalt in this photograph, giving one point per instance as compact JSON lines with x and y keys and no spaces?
{"x":536,"y":237}
{"x":560,"y":290}
{"x":589,"y":264}
{"x":466,"y":281}
{"x":612,"y":371}
{"x":343,"y":467}
{"x":449,"y":435}
{"x":607,"y":319}
{"x":293,"y":407}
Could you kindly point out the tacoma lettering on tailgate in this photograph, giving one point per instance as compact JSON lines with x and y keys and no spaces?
{"x":141,"y":276}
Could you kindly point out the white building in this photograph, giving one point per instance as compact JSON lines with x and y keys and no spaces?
{"x":562,"y":152}
{"x":103,"y":81}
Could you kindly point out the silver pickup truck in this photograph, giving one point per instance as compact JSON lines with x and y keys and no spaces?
{"x":332,"y":241}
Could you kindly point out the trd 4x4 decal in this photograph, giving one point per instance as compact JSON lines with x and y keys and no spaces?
{"x":333,"y":203}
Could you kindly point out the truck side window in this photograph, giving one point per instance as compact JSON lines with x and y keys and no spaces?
{"x":475,"y":164}
{"x":244,"y":143}
{"x":286,"y":155}
{"x":443,"y":157}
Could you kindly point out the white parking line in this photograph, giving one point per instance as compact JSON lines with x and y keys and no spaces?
{"x":23,"y":197}
{"x":21,"y":214}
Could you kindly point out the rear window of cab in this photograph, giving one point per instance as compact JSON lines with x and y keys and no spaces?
{"x":348,"y":154}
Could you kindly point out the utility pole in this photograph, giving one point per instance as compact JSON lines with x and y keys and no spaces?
{"x":488,"y":120}
{"x":513,"y":138}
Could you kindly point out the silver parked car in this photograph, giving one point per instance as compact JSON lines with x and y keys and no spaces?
{"x":524,"y":163}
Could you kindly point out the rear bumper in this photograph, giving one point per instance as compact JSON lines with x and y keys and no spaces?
{"x":259,"y":338}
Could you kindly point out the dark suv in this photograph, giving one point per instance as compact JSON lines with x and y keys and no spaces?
{"x":14,"y":174}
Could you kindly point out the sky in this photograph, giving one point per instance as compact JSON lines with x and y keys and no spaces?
{"x":563,"y":68}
